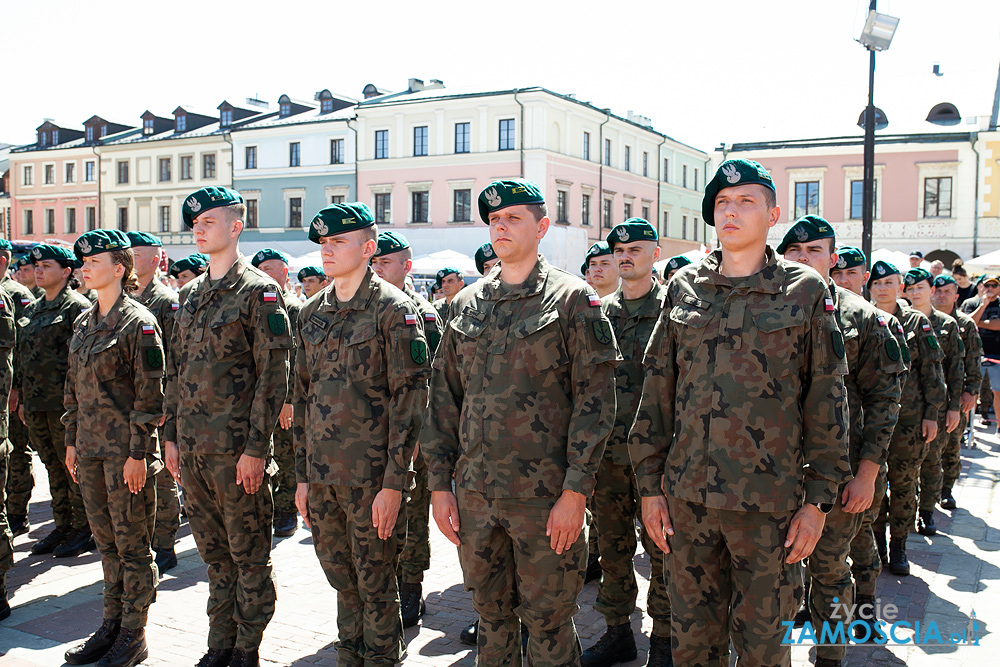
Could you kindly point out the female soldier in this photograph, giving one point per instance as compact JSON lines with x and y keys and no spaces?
{"x":114,"y":400}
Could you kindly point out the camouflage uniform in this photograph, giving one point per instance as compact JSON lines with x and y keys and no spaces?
{"x":360,"y":389}
{"x":20,"y":475}
{"x":443,"y":309}
{"x":951,"y":458}
{"x":44,"y":330}
{"x":742,"y":419}
{"x":7,"y":342}
{"x":227,"y":378}
{"x":616,"y":499}
{"x":522,"y":404}
{"x":114,"y":399}
{"x":284,"y":451}
{"x":162,"y":302}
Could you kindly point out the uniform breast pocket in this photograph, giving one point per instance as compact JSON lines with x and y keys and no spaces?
{"x":539,"y":346}
{"x":365,"y":356}
{"x":228,"y":338}
{"x":468,"y":331}
{"x":690,"y":326}
{"x":779,"y":346}
{"x":108,"y":360}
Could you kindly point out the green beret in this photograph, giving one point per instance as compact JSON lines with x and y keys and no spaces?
{"x":943,"y":280}
{"x":436,"y":286}
{"x":730,"y":173}
{"x":583,"y":269}
{"x":100,"y":240}
{"x":5,"y":245}
{"x":26,"y":260}
{"x":677,"y":262}
{"x":914,"y":276}
{"x":311,"y":272}
{"x":447,"y":271}
{"x":633,"y":229}
{"x":848,"y":257}
{"x":391,"y":242}
{"x":205,"y":200}
{"x":501,"y":194}
{"x":882,"y":270}
{"x":807,"y":228}
{"x":340,"y":219}
{"x":190,"y":263}
{"x":140,"y":239}
{"x":484,"y":254}
{"x":596,"y":250}
{"x":63,"y":255}
{"x":266,"y":254}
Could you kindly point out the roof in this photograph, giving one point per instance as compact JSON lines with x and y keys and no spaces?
{"x":311,"y":116}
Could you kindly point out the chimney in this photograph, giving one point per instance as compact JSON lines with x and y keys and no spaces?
{"x":415,"y":85}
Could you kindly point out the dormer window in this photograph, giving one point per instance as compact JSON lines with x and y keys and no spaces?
{"x":326,"y":106}
{"x":147,"y":126}
{"x":43,"y":139}
{"x":180,"y":124}
{"x":285,"y":110}
{"x":226,"y":118}
{"x":55,"y":137}
{"x":90,"y":133}
{"x":104,"y":131}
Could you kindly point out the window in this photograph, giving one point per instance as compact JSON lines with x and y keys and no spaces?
{"x":43,"y":139}
{"x":285,"y":110}
{"x":50,"y":221}
{"x":123,"y":218}
{"x":645,"y":164}
{"x":295,"y":211}
{"x":607,"y":214}
{"x":684,"y":226}
{"x":90,"y":133}
{"x":180,"y":124}
{"x":147,"y":126}
{"x":104,"y":131}
{"x":336,"y":151}
{"x":336,"y":199}
{"x":695,"y":220}
{"x":164,"y":217}
{"x":164,"y":169}
{"x":226,"y":118}
{"x":684,"y":176}
{"x":326,"y":106}
{"x":645,"y":213}
{"x":29,"y":222}
{"x":628,"y":211}
{"x":294,"y":154}
{"x":506,"y":135}
{"x":71,"y":172}
{"x":806,"y":198}
{"x":666,"y":170}
{"x":463,"y":205}
{"x":186,"y":161}
{"x":628,"y":158}
{"x":585,"y":211}
{"x":858,"y":198}
{"x":586,"y":146}
{"x":420,"y":200}
{"x":55,"y":137}
{"x":383,"y":211}
{"x":666,"y":224}
{"x":27,"y":175}
{"x":420,"y":141}
{"x":696,"y":179}
{"x":251,"y":157}
{"x":381,"y":144}
{"x":562,"y":215}
{"x":937,"y":197}
{"x":50,"y":174}
{"x":88,"y":171}
{"x":123,"y":172}
{"x":90,"y":218}
{"x":70,"y":220}
{"x":607,"y":152}
{"x":251,"y":214}
{"x":208,"y":165}
{"x":463,"y":137}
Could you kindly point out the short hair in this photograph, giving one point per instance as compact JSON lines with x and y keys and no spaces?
{"x":369,"y":233}
{"x":237,"y":211}
{"x":771,"y":200}
{"x":539,"y":210}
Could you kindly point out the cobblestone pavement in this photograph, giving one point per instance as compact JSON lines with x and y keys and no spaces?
{"x":57,"y":602}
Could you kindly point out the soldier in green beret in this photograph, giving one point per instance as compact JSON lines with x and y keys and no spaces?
{"x":875,"y":363}
{"x":602,"y":272}
{"x":114,"y":400}
{"x":486,"y":258}
{"x":26,"y":276}
{"x":740,"y":452}
{"x":313,"y":280}
{"x":188,"y":268}
{"x":360,"y":391}
{"x":7,"y":343}
{"x":850,"y":271}
{"x":227,"y":379}
{"x":451,"y":283}
{"x":675,"y":264}
{"x":44,"y":332}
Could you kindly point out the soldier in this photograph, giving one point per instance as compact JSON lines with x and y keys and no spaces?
{"x":20,"y":475}
{"x":602,"y":272}
{"x":313,"y":280}
{"x":7,"y":344}
{"x":486,"y":258}
{"x":945,"y":300}
{"x":286,"y":519}
{"x":44,"y":330}
{"x":917,"y":423}
{"x":919,"y":290}
{"x":82,"y":288}
{"x":360,"y":390}
{"x":114,"y":401}
{"x":26,"y":276}
{"x":450,"y":282}
{"x":739,"y":451}
{"x":875,"y":362}
{"x":227,"y":378}
{"x":633,"y":310}
{"x":162,"y":302}
{"x":188,"y":268}
{"x":522,"y":404}
{"x":674,"y":264}
{"x":985,"y":312}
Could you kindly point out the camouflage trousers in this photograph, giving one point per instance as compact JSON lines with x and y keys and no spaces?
{"x":727,"y":579}
{"x":233,"y":532}
{"x":615,"y":506}
{"x":865,"y":562}
{"x":168,"y":511}
{"x":513,"y":573}
{"x":284,"y":479}
{"x":418,"y":538}
{"x":122,"y":524}
{"x":20,"y":474}
{"x":6,"y":538}
{"x":931,"y":475}
{"x":48,"y":437}
{"x":899,"y":507}
{"x":362,"y":568}
{"x":951,"y":455}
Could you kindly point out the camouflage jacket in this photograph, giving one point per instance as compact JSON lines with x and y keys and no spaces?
{"x":743,"y":405}
{"x":360,"y":387}
{"x":8,"y":341}
{"x":900,"y":335}
{"x":43,"y":348}
{"x":292,"y":308}
{"x":444,"y":311}
{"x":164,"y":304}
{"x":950,"y":339}
{"x":114,"y":387}
{"x":924,"y":390}
{"x":632,"y":331}
{"x":429,"y":316}
{"x":523,"y":395}
{"x":973,"y":352}
{"x":22,"y":297}
{"x":227,"y":374}
{"x":874,"y":362}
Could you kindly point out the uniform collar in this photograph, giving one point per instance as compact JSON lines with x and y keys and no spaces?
{"x":96,"y":323}
{"x":491,"y":287}
{"x":650,"y":306}
{"x":228,"y":281}
{"x":361,"y":299}
{"x":768,"y":280}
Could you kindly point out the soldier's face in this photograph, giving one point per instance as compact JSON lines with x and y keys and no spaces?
{"x":312,"y":284}
{"x":392,"y":268}
{"x":602,"y":272}
{"x":451,"y":285}
{"x":488,"y":265}
{"x":742,"y":217}
{"x":344,"y":254}
{"x":515,"y":233}
{"x":214,"y":231}
{"x":671,"y":275}
{"x":147,"y":258}
{"x":100,"y":272}
{"x":919,"y":294}
{"x":635,"y":260}
{"x":815,"y":254}
{"x":886,"y":289}
{"x":277,"y":269}
{"x":852,"y":279}
{"x":49,"y":274}
{"x":915,"y":262}
{"x":27,"y":275}
{"x":945,"y":297}
{"x":184,"y":277}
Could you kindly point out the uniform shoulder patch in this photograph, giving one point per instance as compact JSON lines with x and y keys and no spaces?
{"x":837,"y":339}
{"x":276,"y":323}
{"x":602,"y":332}
{"x":154,"y":358}
{"x":892,"y":349}
{"x":933,"y":342}
{"x":418,"y":351}
{"x":905,"y":350}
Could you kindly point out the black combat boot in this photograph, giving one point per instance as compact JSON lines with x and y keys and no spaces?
{"x":827,"y":662}
{"x":216,"y":657}
{"x":867,"y":617}
{"x":94,"y":648}
{"x":881,"y":547}
{"x":803,"y":615}
{"x":75,"y":543}
{"x":947,"y":500}
{"x":898,"y":565}
{"x":128,"y":650}
{"x":48,"y":544}
{"x":411,"y":603}
{"x":659,"y":652}
{"x":285,"y":524}
{"x":19,"y":525}
{"x":243,"y":658}
{"x":165,"y":559}
{"x":616,"y":645}
{"x":594,"y":570}
{"x":925,"y":523}
{"x":470,"y":635}
{"x":4,"y":604}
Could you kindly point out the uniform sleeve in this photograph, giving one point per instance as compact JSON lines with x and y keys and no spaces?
{"x":70,"y":403}
{"x":300,"y":390}
{"x":147,"y":373}
{"x":439,"y":439}
{"x":271,"y":334}
{"x":973,"y":359}
{"x":8,"y":340}
{"x":929,"y":370}
{"x":880,"y":367}
{"x":170,"y":393}
{"x":954,"y":366}
{"x":652,"y":431}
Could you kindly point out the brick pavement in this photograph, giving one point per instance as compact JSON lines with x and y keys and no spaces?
{"x":56,"y":602}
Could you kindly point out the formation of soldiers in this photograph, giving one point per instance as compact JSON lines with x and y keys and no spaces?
{"x":740,"y":416}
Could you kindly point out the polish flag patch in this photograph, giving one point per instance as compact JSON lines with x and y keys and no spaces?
{"x":25,"y":301}
{"x":899,"y":328}
{"x":410,"y":319}
{"x":148,"y":329}
{"x":926,"y":327}
{"x":430,"y":317}
{"x":829,"y":305}
{"x":175,"y":306}
{"x":594,"y":299}
{"x":881,"y":321}
{"x":270,"y":297}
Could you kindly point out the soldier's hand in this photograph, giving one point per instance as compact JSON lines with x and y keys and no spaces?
{"x":385,"y":511}
{"x":285,"y":416}
{"x":135,"y":474}
{"x":929,"y":429}
{"x":656,"y":519}
{"x":250,"y":473}
{"x":566,"y":520}
{"x":172,"y":459}
{"x":71,"y":463}
{"x":967,"y":403}
{"x":445,"y":510}
{"x":951,"y":420}
{"x":858,"y":495}
{"x":804,"y":532}
{"x":302,"y":502}
{"x":12,"y":401}
{"x":20,"y":414}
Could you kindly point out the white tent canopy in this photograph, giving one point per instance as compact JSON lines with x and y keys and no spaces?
{"x":428,"y":265}
{"x":988,"y":263}
{"x":695,"y":255}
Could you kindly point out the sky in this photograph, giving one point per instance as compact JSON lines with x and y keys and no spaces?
{"x":704,"y":72}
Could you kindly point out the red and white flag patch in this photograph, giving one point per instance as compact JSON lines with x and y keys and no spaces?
{"x":270,"y":297}
{"x":430,"y":317}
{"x":410,"y":319}
{"x":926,"y":327}
{"x":175,"y":306}
{"x":828,"y":304}
{"x":25,"y":301}
{"x":899,"y":328}
{"x":881,"y":321}
{"x":594,"y":299}
{"x":148,"y":329}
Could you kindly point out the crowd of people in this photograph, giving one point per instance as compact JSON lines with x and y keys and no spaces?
{"x":767,"y":433}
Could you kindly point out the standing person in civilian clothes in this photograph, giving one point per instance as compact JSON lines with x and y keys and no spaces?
{"x":7,"y":342}
{"x":450,"y":282}
{"x":227,"y":378}
{"x":313,"y":280}
{"x":522,"y":404}
{"x":486,"y":258}
{"x":602,"y":271}
{"x":43,"y":354}
{"x":286,"y":519}
{"x":985,"y":312}
{"x":114,"y":400}
{"x":360,"y":390}
{"x":875,"y":362}
{"x":162,"y":302}
{"x":633,"y":310}
{"x":739,"y":451}
{"x":945,"y":299}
